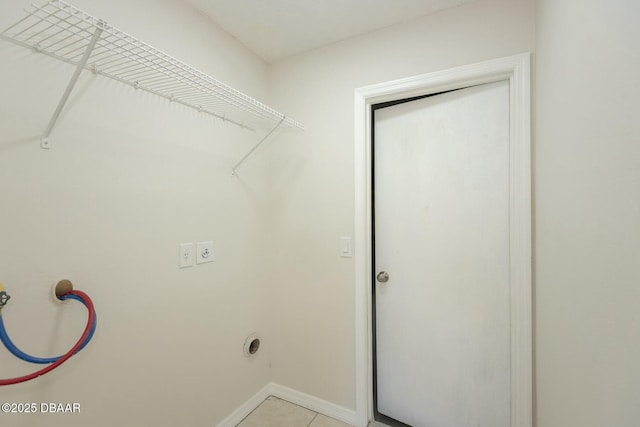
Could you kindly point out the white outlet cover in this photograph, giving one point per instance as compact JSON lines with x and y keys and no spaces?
{"x":186,"y":255}
{"x":204,"y":252}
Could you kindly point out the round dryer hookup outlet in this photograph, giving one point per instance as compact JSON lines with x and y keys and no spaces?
{"x":251,"y":345}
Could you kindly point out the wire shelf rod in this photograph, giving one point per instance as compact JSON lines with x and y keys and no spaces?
{"x":73,"y":31}
{"x":166,"y":85}
{"x":135,"y":61}
{"x":111,"y":58}
{"x":140,"y":58}
{"x":35,"y":24}
{"x":114,"y":60}
{"x":200,"y":101}
{"x":74,"y":40}
{"x":39,"y":32}
{"x":44,"y":16}
{"x":124,"y":69}
{"x":76,"y":36}
{"x":51,"y":36}
{"x":77,"y":52}
{"x":187,"y":93}
{"x":51,"y":25}
{"x":67,"y":47}
{"x":136,"y":69}
{"x":12,"y":26}
{"x":189,"y":84}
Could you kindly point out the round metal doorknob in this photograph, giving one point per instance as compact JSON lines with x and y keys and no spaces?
{"x":382,"y":277}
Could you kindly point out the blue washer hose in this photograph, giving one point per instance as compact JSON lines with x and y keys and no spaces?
{"x":4,"y":337}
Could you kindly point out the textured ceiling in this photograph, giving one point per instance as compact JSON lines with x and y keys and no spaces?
{"x":275,"y":29}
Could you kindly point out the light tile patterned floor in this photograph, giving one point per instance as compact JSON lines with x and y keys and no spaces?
{"x":274,"y":412}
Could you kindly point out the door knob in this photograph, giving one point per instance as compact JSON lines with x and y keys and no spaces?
{"x":382,"y":277}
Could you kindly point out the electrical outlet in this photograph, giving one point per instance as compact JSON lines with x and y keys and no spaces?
{"x":204,"y":253}
{"x":186,"y":255}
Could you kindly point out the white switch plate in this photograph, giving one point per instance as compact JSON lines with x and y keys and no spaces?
{"x":186,"y":255}
{"x":346,"y":247}
{"x":204,"y":252}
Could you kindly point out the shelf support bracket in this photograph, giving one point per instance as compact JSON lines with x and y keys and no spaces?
{"x":237,"y":165}
{"x":44,"y":141}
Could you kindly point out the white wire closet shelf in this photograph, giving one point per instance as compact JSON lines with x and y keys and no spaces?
{"x":67,"y":33}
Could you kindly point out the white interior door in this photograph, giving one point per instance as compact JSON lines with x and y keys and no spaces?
{"x":441,"y":233}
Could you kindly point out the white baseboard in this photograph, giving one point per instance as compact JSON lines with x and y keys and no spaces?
{"x":299,"y":398}
{"x":246,"y":408}
{"x":314,"y":403}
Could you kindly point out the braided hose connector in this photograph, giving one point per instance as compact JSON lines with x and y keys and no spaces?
{"x":4,"y":297}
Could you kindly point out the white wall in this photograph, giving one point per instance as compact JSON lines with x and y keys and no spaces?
{"x":587,"y":202}
{"x":312,"y":175}
{"x":129,"y":177}
{"x":587,"y":192}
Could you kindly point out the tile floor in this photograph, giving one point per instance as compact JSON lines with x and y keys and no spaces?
{"x":274,"y":412}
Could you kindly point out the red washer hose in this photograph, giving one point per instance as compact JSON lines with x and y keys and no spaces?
{"x":67,"y":356}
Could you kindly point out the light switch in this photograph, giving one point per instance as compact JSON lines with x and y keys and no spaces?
{"x":345,"y":247}
{"x":186,"y":255}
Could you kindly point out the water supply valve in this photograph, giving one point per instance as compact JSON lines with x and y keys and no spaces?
{"x":4,"y":296}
